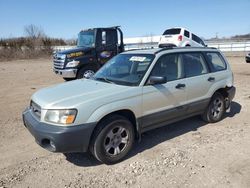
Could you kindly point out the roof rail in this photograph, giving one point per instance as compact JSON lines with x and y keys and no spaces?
{"x":150,"y":48}
{"x":167,"y":47}
{"x":164,"y":48}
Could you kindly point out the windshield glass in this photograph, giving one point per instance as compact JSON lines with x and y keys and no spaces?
{"x":86,"y":39}
{"x":125,"y":69}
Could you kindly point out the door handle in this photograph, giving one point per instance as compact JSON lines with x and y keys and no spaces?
{"x":179,"y":86}
{"x":211,"y":79}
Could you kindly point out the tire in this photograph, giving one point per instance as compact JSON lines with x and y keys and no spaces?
{"x":215,"y":110}
{"x":112,"y":140}
{"x":68,"y":79}
{"x":86,"y":72}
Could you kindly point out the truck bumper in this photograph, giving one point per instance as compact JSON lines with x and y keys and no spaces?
{"x":58,"y":138}
{"x":66,"y":73}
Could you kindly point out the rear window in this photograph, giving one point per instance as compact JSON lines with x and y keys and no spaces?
{"x":172,"y":32}
{"x":217,"y":61}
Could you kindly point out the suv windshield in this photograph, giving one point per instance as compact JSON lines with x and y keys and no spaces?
{"x":125,"y":69}
{"x":86,"y":39}
{"x":172,"y":32}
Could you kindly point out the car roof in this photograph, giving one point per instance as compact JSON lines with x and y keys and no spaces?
{"x":170,"y":49}
{"x":177,"y":28}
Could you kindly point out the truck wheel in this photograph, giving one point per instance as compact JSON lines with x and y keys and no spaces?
{"x":215,"y":109}
{"x":112,"y":140}
{"x":86,"y":72}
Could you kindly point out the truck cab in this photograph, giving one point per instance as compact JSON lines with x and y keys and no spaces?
{"x":94,"y":48}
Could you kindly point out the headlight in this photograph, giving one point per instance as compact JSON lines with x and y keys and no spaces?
{"x":61,"y":116}
{"x":72,"y":63}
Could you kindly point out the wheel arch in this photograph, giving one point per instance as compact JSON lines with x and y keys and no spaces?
{"x":125,"y":113}
{"x":222,"y":91}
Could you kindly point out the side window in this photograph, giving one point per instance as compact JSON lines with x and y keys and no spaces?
{"x":186,"y":34}
{"x":216,"y":60}
{"x":194,"y":64}
{"x":111,"y":37}
{"x":169,"y":66}
{"x":197,"y":39}
{"x":104,"y":37}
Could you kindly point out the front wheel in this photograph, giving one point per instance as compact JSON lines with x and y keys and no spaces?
{"x":215,"y":109}
{"x":112,"y":140}
{"x":86,"y":72}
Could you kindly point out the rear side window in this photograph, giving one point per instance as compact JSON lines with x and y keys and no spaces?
{"x":172,"y":32}
{"x":197,"y":39}
{"x":194,"y":64}
{"x":217,"y":61}
{"x":186,"y":34}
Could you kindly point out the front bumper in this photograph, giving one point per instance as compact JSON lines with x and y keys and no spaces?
{"x":66,"y":73}
{"x":59,"y":138}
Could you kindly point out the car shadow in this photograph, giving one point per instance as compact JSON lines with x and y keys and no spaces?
{"x":154,"y":137}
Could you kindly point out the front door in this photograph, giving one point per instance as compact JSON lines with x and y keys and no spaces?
{"x":107,"y":45}
{"x":164,"y":102}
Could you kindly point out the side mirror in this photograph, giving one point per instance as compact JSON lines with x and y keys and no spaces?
{"x":153,"y":80}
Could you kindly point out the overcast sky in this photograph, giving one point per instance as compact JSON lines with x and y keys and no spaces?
{"x":65,"y":18}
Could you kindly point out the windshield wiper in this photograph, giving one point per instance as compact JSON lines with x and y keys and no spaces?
{"x":104,"y":79}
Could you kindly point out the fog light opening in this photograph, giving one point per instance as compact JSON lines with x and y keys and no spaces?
{"x":48,"y":144}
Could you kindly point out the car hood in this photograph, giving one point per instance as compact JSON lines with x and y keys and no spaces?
{"x":73,"y":50}
{"x":74,"y":93}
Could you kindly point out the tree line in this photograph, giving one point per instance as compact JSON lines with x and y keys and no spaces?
{"x":34,"y":44}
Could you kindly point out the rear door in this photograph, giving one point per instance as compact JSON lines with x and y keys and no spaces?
{"x":198,"y":81}
{"x":164,"y":102}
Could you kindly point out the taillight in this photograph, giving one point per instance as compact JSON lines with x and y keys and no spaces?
{"x":180,"y":38}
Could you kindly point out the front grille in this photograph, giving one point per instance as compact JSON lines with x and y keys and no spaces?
{"x":36,"y":109}
{"x":59,"y":60}
{"x":58,"y":65}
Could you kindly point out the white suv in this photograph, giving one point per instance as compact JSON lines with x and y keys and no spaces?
{"x":180,"y":37}
{"x":134,"y":92}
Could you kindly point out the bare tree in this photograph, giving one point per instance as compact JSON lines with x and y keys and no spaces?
{"x":34,"y":31}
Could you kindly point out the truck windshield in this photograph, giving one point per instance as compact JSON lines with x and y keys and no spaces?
{"x":86,"y":39}
{"x":125,"y":69}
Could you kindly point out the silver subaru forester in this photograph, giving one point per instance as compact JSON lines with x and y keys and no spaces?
{"x":134,"y":92}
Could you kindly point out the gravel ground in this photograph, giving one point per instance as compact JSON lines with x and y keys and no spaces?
{"x":189,"y":153}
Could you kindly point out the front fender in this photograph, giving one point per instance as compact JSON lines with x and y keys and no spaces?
{"x":107,"y":109}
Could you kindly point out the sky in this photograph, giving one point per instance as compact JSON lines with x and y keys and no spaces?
{"x":65,"y":18}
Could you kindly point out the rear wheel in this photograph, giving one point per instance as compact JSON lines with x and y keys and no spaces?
{"x":113,"y":139}
{"x":86,"y":72}
{"x":215,"y":109}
